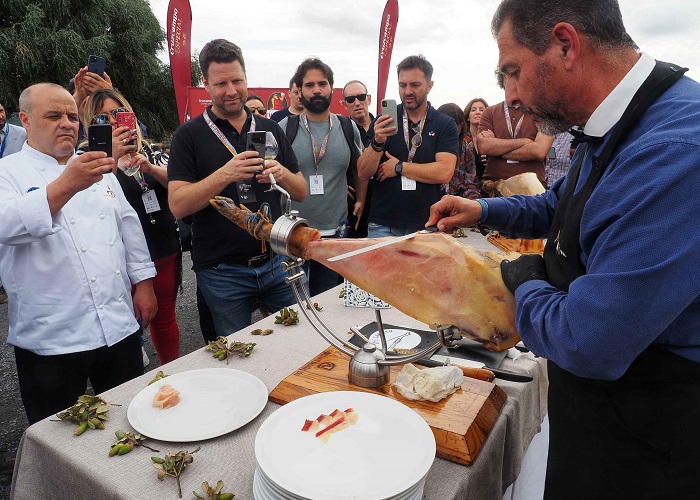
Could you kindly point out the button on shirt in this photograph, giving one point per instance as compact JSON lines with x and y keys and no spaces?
{"x":68,"y":277}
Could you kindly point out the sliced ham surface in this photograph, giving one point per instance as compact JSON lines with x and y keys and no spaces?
{"x":166,"y":397}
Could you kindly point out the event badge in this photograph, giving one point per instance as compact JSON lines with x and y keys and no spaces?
{"x":246,"y":191}
{"x":407,"y":184}
{"x":316,"y":184}
{"x":512,"y":161}
{"x":150,"y":202}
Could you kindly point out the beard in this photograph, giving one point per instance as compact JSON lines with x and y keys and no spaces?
{"x":317,"y":104}
{"x":417,"y":102}
{"x":552,"y":115}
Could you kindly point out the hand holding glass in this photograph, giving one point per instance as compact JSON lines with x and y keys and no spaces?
{"x":271,"y":147}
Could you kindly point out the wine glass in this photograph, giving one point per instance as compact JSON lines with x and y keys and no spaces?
{"x":124,"y":165}
{"x":271,"y":147}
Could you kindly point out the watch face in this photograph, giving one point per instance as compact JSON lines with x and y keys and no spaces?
{"x":398,"y":167}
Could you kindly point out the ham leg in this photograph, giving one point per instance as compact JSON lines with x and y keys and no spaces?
{"x":431,"y":277}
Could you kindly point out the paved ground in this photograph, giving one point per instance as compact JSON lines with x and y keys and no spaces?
{"x":13,"y":422}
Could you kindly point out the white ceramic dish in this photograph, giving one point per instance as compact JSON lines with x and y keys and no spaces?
{"x":384,"y":455}
{"x":213,"y":402}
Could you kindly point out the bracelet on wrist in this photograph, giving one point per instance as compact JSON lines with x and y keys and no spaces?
{"x":377,"y":146}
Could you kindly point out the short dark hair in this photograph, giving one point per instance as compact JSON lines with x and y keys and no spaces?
{"x":533,"y":20}
{"x":455,"y":112}
{"x":419,"y":62}
{"x":312,"y":63}
{"x":252,"y":96}
{"x":219,"y":51}
{"x":291,"y":83}
{"x":500,"y":78}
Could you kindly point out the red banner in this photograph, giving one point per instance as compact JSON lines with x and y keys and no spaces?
{"x":179,"y":27}
{"x":387,"y":33}
{"x":274,"y":99}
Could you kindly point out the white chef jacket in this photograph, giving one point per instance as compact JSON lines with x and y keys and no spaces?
{"x":69,"y":277}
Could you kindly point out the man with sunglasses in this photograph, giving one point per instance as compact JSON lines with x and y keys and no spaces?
{"x":356,"y":100}
{"x":408,"y":161}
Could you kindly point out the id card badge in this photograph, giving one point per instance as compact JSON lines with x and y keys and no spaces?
{"x":407,"y":184}
{"x":512,"y":161}
{"x":150,"y":202}
{"x":316,"y":184}
{"x":246,"y":191}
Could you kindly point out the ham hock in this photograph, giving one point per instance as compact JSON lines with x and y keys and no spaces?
{"x":431,"y":277}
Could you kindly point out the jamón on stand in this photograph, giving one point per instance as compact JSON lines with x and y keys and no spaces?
{"x":431,"y":277}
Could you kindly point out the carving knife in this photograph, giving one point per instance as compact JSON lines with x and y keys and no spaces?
{"x":431,"y":229}
{"x":438,"y":360}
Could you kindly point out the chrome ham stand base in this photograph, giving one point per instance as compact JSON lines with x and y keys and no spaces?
{"x":369,"y":365}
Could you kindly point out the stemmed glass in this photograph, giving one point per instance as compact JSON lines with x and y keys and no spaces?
{"x":271,"y":147}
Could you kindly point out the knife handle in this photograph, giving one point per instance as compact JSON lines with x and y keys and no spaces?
{"x":477,"y":373}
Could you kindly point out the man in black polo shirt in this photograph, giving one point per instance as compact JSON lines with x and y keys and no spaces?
{"x":208,"y":158}
{"x":407,"y":168}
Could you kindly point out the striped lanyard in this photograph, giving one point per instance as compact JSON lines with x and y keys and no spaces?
{"x":411,"y":145}
{"x":221,"y":135}
{"x":141,"y":180}
{"x":318,"y":153}
{"x":510,"y":125}
{"x":4,"y":141}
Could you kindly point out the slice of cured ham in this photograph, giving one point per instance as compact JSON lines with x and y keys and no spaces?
{"x":166,"y":397}
{"x":431,"y":277}
{"x":326,"y":425}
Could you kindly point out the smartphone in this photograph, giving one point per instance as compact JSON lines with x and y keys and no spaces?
{"x":127,"y":119}
{"x":100,"y":138}
{"x":97,"y":65}
{"x":256,"y":142}
{"x":389,"y":108}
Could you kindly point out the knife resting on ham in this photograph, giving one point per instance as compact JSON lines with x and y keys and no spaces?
{"x":431,"y":277}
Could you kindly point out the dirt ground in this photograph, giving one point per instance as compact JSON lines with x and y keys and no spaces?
{"x":13,"y":421}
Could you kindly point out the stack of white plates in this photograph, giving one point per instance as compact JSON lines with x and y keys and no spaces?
{"x":385,"y":455}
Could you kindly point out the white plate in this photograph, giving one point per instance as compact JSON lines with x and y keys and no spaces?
{"x":388,"y":450}
{"x":213,"y":402}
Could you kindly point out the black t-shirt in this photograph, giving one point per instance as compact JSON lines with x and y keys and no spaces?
{"x":392,"y":206}
{"x":280,"y":115}
{"x":196,"y":153}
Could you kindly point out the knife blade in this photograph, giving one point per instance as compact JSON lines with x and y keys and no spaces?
{"x":498,"y":372}
{"x":381,"y":244}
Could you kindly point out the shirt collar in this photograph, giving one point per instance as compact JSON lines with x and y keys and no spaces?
{"x":43,"y":156}
{"x":609,"y":112}
{"x":223,"y":121}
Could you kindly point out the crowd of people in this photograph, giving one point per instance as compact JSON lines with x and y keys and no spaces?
{"x":80,"y":221}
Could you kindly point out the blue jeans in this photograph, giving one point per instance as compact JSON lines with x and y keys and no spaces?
{"x":379,"y":231}
{"x":322,"y":278}
{"x":229,"y":291}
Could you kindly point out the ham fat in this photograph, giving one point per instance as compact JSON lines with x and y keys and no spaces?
{"x":432,"y":277}
{"x":166,"y":397}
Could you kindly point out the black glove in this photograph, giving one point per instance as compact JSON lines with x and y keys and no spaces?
{"x":524,"y":268}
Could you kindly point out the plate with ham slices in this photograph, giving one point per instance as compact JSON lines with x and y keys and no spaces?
{"x":340,"y":445}
{"x":197,"y":404}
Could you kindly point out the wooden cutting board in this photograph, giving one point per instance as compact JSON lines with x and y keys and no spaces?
{"x":516,"y":244}
{"x":461,"y":422}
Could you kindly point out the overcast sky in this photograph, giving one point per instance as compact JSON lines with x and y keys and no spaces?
{"x":276,"y":35}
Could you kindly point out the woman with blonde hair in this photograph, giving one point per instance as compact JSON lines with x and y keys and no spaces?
{"x":146,"y":190}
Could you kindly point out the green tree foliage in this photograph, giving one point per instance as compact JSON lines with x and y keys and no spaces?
{"x":50,"y":40}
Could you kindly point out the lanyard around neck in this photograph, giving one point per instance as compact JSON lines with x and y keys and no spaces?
{"x":4,"y":141}
{"x":510,"y":125}
{"x":217,"y":131}
{"x":319,"y":154}
{"x":412,"y":148}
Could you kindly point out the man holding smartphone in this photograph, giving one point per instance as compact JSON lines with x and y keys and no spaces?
{"x":71,"y":251}
{"x":209,"y":158}
{"x":408,"y":160}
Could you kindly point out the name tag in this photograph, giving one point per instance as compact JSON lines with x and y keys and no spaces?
{"x":316,"y":184}
{"x":150,"y":202}
{"x":246,"y":191}
{"x":512,"y":161}
{"x":407,"y":184}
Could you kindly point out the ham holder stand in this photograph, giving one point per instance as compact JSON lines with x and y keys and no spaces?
{"x":369,"y":365}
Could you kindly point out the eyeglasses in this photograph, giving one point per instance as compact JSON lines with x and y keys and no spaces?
{"x":103,"y":118}
{"x":351,"y":98}
{"x":417,"y":139}
{"x":260,"y":111}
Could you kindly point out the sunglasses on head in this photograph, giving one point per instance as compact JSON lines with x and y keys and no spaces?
{"x":351,"y":98}
{"x":103,"y":118}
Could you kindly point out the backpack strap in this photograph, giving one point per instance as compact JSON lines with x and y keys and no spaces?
{"x":292,"y":128}
{"x":349,"y":133}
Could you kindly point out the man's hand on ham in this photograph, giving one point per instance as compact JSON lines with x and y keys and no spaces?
{"x":524,"y":268}
{"x":454,"y":211}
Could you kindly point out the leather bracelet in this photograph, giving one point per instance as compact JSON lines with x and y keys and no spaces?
{"x":379,"y":148}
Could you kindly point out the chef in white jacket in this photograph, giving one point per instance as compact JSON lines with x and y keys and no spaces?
{"x":71,"y":250}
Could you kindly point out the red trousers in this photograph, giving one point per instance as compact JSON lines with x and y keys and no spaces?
{"x":164,"y":330}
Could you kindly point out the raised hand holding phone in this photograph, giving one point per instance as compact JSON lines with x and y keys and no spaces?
{"x":127,"y":163}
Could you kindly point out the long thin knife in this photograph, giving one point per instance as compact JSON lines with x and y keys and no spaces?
{"x":381,"y":244}
{"x":498,"y":372}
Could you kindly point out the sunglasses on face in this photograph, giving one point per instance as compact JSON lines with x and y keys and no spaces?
{"x":260,"y":111}
{"x":351,"y":98}
{"x":103,"y":118}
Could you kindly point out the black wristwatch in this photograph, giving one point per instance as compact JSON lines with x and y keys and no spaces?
{"x":398,"y":168}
